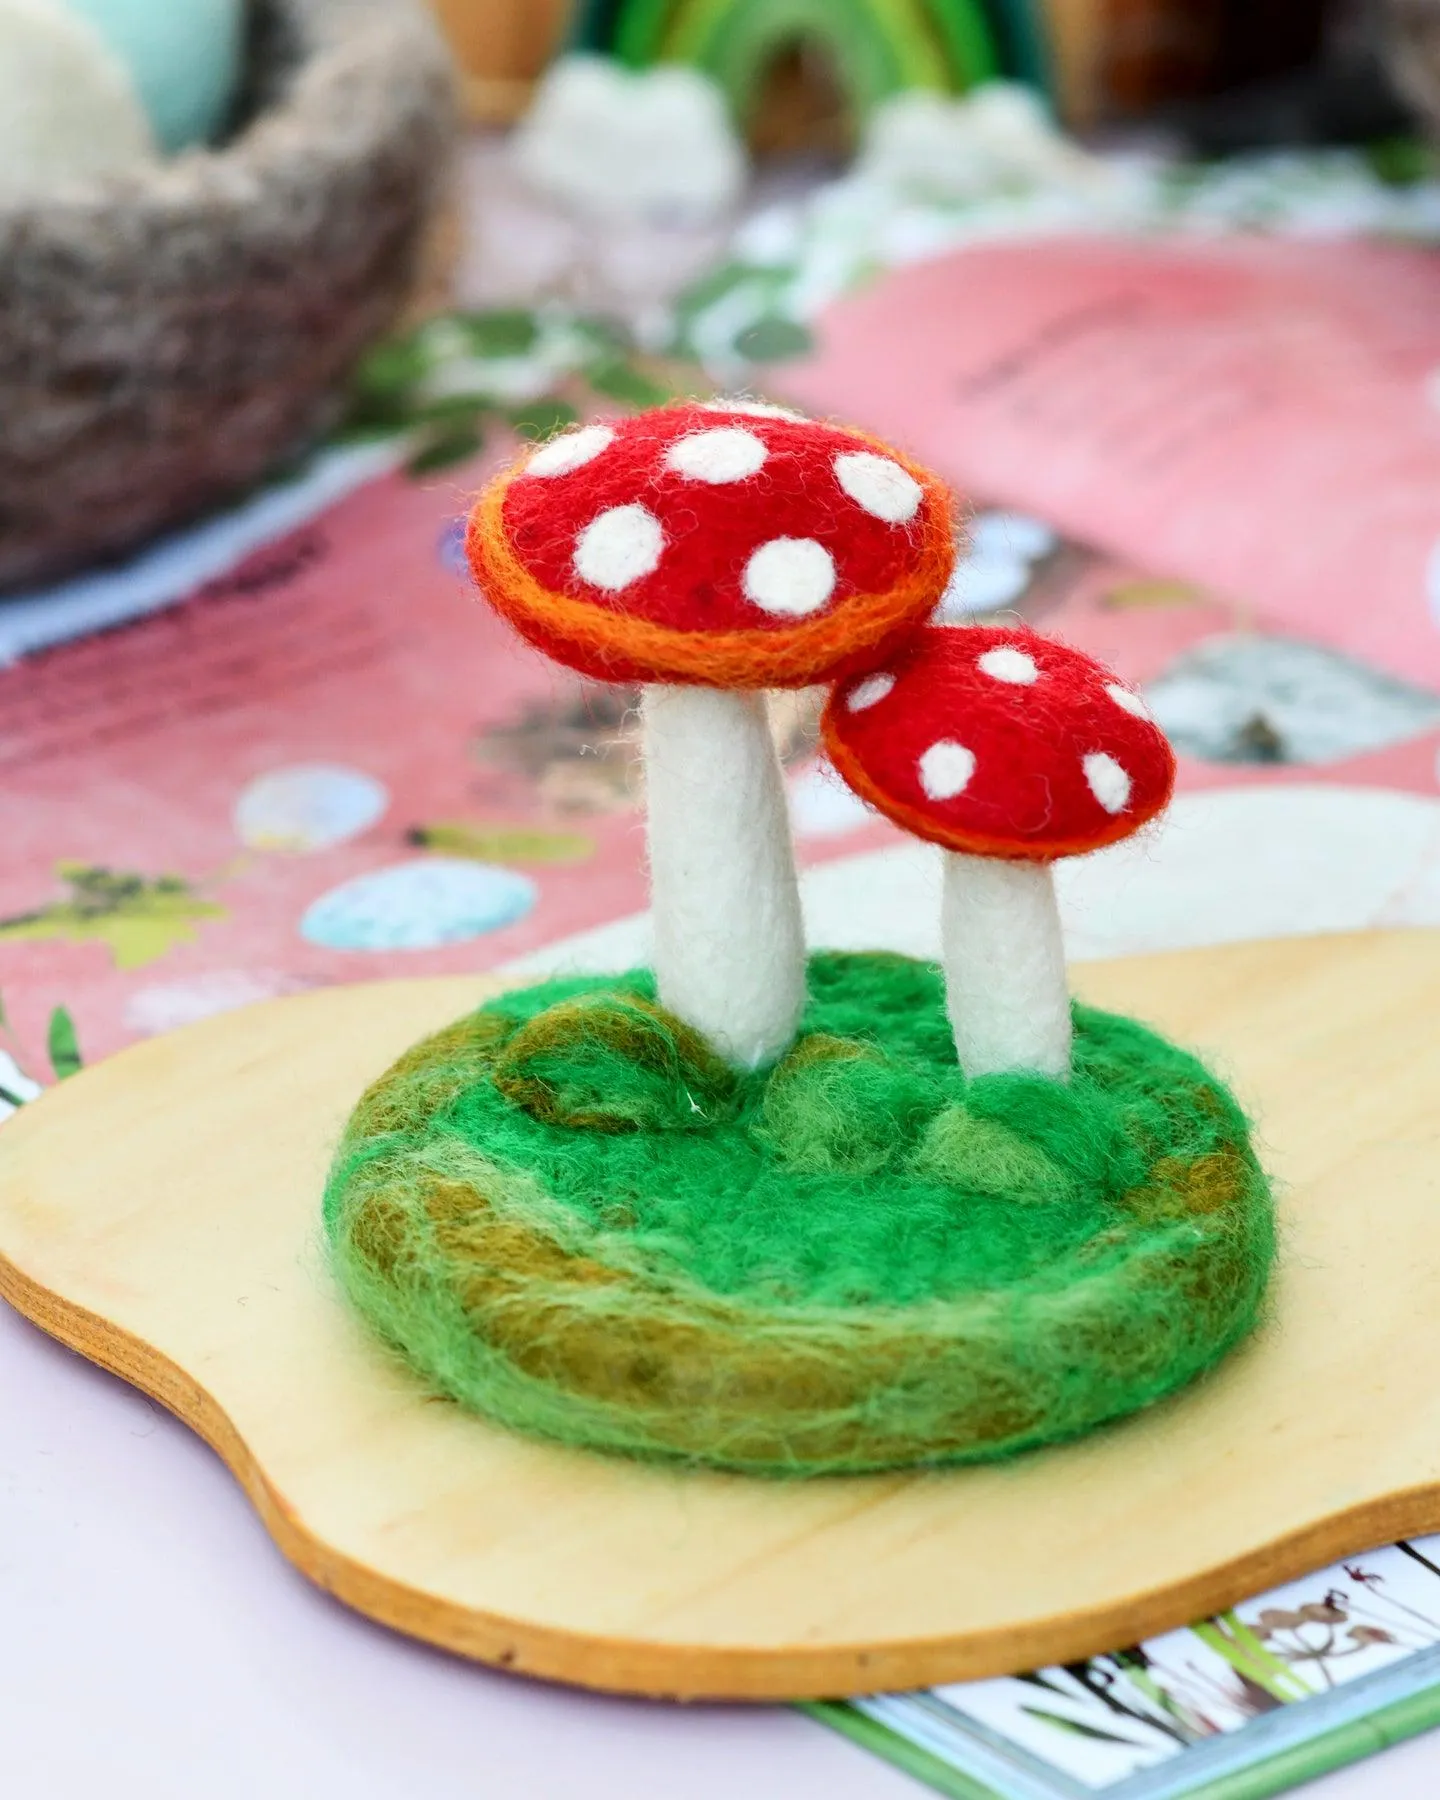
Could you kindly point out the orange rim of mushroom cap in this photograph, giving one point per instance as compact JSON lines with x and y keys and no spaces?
{"x":528,"y":534}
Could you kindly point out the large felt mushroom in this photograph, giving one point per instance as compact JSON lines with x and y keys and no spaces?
{"x":1009,"y":750}
{"x":709,"y":551}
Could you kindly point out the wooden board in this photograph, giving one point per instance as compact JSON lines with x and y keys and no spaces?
{"x":158,"y":1213}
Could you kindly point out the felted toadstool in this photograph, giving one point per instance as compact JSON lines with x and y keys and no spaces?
{"x":710,"y":551}
{"x":1009,"y":750}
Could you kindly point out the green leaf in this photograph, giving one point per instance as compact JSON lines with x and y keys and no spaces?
{"x":1076,"y":1728}
{"x":1400,"y":161}
{"x":375,"y":415}
{"x":605,"y":338}
{"x":1228,"y":1636}
{"x":542,"y":418}
{"x":454,"y":409}
{"x":357,"y":430}
{"x":138,"y":918}
{"x":622,"y":381}
{"x":717,"y":284}
{"x":444,"y":448}
{"x":64,"y":1046}
{"x":389,"y":369}
{"x":773,"y":339}
{"x":508,"y":331}
{"x":502,"y":843}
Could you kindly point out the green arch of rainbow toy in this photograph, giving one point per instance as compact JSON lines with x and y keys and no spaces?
{"x":879,"y":47}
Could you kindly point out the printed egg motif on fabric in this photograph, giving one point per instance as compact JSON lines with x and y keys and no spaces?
{"x":757,"y":516}
{"x":1001,"y":742}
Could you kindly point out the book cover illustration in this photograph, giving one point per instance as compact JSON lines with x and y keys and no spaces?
{"x":1270,"y":1693}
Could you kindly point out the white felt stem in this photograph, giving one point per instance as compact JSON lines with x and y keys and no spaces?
{"x":729,"y":943}
{"x":1004,"y":966}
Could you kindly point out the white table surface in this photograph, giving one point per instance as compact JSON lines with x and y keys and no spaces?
{"x":154,"y":1645}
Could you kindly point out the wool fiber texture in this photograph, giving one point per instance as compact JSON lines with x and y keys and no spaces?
{"x":566,"y":1212}
{"x":729,"y":547}
{"x":1000,"y":741}
{"x":1004,"y":960}
{"x":729,"y":940}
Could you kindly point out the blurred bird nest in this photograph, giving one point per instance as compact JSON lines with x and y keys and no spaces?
{"x":169,"y":336}
{"x":1413,"y":29}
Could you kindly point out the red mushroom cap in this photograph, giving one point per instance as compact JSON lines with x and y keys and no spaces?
{"x":724,"y":544}
{"x":1000,"y":742}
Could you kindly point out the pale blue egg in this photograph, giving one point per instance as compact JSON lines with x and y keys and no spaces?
{"x":1011,"y":534}
{"x":184,"y":56}
{"x":418,"y":905}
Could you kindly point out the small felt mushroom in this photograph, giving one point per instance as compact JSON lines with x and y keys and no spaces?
{"x":709,"y":551}
{"x":1009,"y":750}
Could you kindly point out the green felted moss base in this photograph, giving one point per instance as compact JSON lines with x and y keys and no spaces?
{"x":568,"y":1215}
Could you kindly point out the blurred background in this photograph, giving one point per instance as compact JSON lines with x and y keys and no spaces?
{"x":1152,"y":282}
{"x":209,"y":212}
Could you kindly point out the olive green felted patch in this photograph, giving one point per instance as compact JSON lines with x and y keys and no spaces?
{"x":568,"y":1214}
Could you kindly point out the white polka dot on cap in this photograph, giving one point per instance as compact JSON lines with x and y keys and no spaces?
{"x":869,"y":692}
{"x":1009,"y":664}
{"x":879,"y":485}
{"x":754,"y":409}
{"x":571,"y":450}
{"x":945,"y":769}
{"x":618,"y":547}
{"x":1127,"y":699}
{"x":728,"y":453}
{"x":1107,"y":781}
{"x":790,"y":576}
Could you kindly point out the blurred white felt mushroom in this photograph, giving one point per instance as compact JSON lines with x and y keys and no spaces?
{"x":999,"y":136}
{"x":68,"y":108}
{"x":611,"y":142}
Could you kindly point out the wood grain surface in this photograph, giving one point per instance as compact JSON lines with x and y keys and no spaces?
{"x":158,"y":1213}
